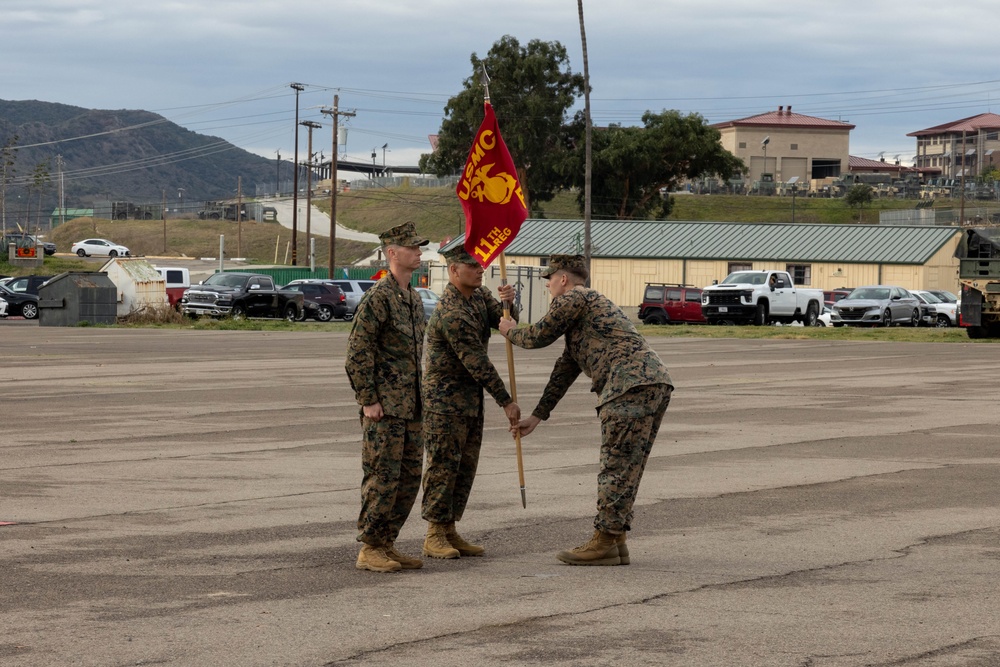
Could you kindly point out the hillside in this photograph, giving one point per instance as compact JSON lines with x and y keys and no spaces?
{"x":127,"y":155}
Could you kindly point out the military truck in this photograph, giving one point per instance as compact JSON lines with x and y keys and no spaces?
{"x":978,"y":253}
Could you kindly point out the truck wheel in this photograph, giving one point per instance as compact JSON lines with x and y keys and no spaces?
{"x":291,"y":312}
{"x":760,"y":315}
{"x":812,"y":317}
{"x":238,"y":312}
{"x":325,"y":313}
{"x":976,"y":332}
{"x":659,"y":318}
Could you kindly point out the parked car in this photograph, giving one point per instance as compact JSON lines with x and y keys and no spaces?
{"x":323,"y":301}
{"x":944,"y":295}
{"x":24,"y":304}
{"x":943,"y":314}
{"x":29,"y":284}
{"x":832,"y":296}
{"x":102,"y":247}
{"x":3,"y":307}
{"x":354,"y":290}
{"x":825,"y":318}
{"x":22,"y":239}
{"x":664,"y":303}
{"x":877,"y":305}
{"x":176,"y":281}
{"x":430,"y":300}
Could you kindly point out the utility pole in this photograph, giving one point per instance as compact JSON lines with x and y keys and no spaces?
{"x":239,"y":216}
{"x":277,"y":174}
{"x":62,"y":195}
{"x":163,"y":217}
{"x":298,"y":88}
{"x":335,"y":114}
{"x":309,"y":170}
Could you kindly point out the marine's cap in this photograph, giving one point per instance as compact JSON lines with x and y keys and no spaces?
{"x":458,"y":255}
{"x":404,"y":235}
{"x":572,"y":263}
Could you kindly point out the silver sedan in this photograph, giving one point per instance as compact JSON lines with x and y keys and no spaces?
{"x":877,"y":305}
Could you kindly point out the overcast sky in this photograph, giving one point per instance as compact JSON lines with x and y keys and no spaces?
{"x":223,"y":68}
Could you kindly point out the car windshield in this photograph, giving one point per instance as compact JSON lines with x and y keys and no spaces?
{"x":744,"y":277}
{"x":927,"y":296}
{"x":946,"y":297}
{"x":225,"y":280}
{"x":874,"y":293}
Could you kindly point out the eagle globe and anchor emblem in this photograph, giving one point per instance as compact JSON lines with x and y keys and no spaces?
{"x":497,"y":189}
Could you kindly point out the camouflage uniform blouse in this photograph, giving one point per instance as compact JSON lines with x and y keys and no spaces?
{"x":385,"y":347}
{"x":600,"y":341}
{"x":458,"y":365}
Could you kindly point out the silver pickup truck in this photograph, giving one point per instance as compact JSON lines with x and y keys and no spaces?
{"x":760,"y":297}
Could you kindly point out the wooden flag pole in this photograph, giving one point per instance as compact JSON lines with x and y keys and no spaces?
{"x":513,"y":386}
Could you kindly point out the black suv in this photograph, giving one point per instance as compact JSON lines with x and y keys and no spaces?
{"x":23,"y":240}
{"x":24,"y":284}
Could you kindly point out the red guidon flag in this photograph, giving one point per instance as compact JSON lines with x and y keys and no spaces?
{"x":491,"y":196}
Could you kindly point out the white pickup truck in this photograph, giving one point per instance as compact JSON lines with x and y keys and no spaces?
{"x":760,"y":297}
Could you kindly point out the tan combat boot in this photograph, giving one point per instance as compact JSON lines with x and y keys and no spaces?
{"x":456,"y":540}
{"x":408,"y":562}
{"x":436,"y":543}
{"x":376,"y":559}
{"x":623,"y":549}
{"x":601,"y":549}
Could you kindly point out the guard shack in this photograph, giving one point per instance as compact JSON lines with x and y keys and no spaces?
{"x":74,"y":297}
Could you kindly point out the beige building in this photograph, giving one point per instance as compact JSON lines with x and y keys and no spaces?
{"x":788,"y":145}
{"x":961,"y":148}
{"x":629,"y":254}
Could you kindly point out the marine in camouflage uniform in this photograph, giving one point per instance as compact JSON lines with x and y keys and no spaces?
{"x":633,"y":391}
{"x":383,"y":364}
{"x":457,"y":371}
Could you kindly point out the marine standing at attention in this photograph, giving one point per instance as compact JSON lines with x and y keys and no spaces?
{"x":383,"y":364}
{"x":458,"y":369}
{"x":633,"y":391}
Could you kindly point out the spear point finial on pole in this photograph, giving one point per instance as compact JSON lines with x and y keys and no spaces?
{"x":486,"y":83}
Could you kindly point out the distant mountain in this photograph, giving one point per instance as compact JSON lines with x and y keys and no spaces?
{"x":126,"y":155}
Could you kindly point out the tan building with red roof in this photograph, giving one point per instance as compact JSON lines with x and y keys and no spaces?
{"x":788,"y":145}
{"x":969,"y":145}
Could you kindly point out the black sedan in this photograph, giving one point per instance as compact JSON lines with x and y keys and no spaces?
{"x":20,"y":303}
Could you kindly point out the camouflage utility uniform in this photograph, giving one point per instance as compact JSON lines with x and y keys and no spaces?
{"x":458,"y":368}
{"x":631,"y":383}
{"x":383,"y":364}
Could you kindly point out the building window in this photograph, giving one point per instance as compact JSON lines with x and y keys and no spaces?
{"x":825,"y":168}
{"x":740,"y":266}
{"x":795,"y":147}
{"x":991,"y":136}
{"x":801,"y":273}
{"x":743,"y":144}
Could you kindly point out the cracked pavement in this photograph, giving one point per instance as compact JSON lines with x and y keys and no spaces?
{"x":189,"y":498}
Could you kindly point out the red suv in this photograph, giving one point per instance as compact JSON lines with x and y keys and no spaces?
{"x":664,"y":303}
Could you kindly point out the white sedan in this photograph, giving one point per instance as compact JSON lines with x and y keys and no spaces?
{"x":90,"y":247}
{"x":3,"y":308}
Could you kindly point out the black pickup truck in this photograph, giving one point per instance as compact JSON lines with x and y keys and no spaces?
{"x":241,"y":295}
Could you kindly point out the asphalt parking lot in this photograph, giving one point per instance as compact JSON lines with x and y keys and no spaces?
{"x":189,"y":498}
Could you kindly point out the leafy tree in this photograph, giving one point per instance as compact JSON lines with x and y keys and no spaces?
{"x":858,"y":196}
{"x":40,"y":178}
{"x":531,"y":90}
{"x":632,"y":164}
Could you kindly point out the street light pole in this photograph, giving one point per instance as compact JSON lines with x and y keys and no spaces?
{"x":335,"y":114}
{"x":309,"y":168}
{"x":277,"y":173}
{"x":384,"y":147}
{"x":298,"y":87}
{"x":374,"y":155}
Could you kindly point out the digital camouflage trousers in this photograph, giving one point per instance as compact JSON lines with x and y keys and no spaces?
{"x":629,"y":425}
{"x":452,"y":443}
{"x":391,"y":460}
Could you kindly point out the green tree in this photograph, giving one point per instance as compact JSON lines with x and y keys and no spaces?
{"x":858,"y":196}
{"x":531,"y":90}
{"x":40,"y":179}
{"x":632,"y":164}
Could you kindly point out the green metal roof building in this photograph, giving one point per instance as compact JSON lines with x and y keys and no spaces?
{"x":628,"y":254}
